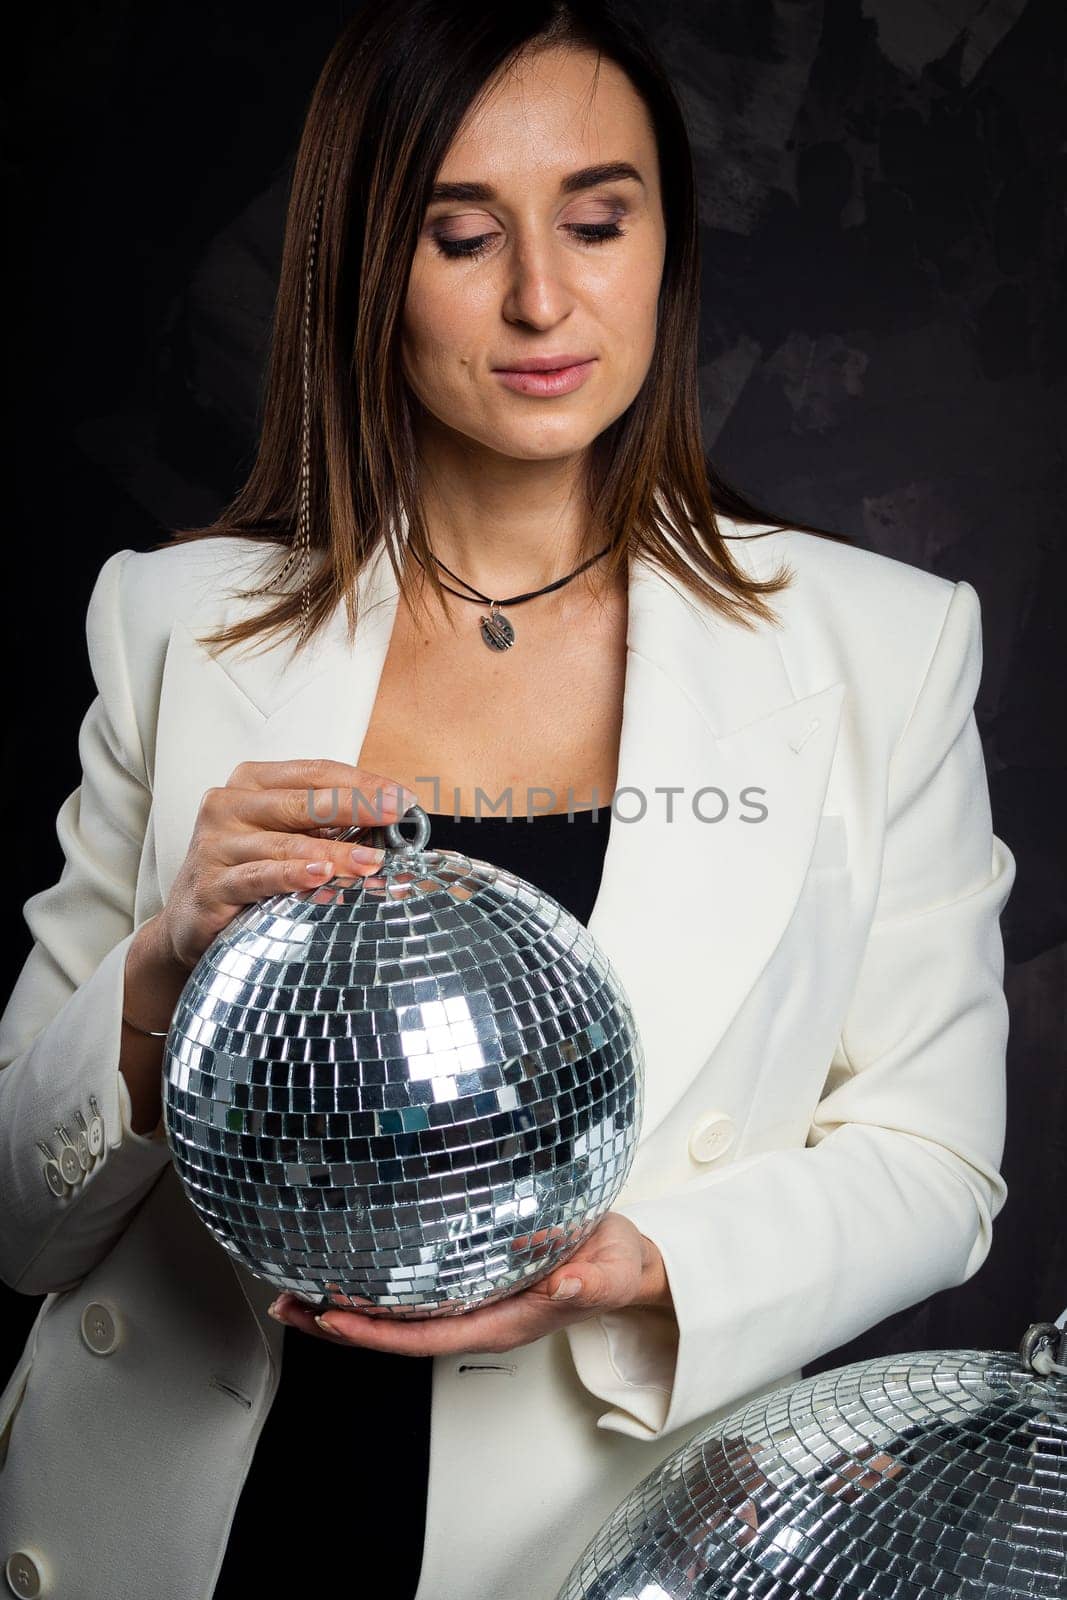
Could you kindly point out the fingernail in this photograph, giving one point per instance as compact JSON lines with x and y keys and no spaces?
{"x":362,"y":853}
{"x":273,"y":1309}
{"x":327,"y":1327}
{"x":566,"y":1288}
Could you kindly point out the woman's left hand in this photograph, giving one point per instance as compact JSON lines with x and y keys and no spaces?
{"x":616,"y":1266}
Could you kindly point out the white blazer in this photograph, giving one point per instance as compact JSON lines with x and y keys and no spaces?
{"x":819,"y":996}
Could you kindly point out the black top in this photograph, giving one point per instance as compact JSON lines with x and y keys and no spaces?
{"x":286,"y":1534}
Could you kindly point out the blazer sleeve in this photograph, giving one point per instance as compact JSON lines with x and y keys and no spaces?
{"x":60,"y":1029}
{"x":789,"y":1253}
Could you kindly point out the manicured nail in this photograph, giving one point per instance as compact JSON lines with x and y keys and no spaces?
{"x":328,"y":1327}
{"x":273,"y":1310}
{"x":566,"y":1288}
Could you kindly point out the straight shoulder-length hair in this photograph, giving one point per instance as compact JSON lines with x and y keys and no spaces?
{"x":336,"y":470}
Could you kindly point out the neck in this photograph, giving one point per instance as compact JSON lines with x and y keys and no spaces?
{"x":504,"y":525}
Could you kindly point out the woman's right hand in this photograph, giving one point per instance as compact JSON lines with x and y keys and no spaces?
{"x":256,"y":836}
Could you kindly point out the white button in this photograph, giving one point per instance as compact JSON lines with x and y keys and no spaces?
{"x":99,"y":1329}
{"x":24,"y":1574}
{"x":54,"y":1179}
{"x":69,"y":1165}
{"x":712,"y":1137}
{"x":96,"y":1135}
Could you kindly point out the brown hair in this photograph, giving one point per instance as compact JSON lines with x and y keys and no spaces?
{"x":388,"y":102}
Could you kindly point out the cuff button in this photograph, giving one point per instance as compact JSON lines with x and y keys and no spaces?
{"x":54,"y":1179}
{"x":69,"y":1165}
{"x":96,"y":1128}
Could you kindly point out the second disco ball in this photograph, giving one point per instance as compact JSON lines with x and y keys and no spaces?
{"x":924,"y":1476}
{"x":412,"y":1093}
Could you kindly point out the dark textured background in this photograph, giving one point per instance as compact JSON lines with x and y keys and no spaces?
{"x":883,"y":353}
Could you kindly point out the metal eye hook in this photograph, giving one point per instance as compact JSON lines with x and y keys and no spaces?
{"x":1043,"y":1348}
{"x":387,"y":836}
{"x":421,"y":822}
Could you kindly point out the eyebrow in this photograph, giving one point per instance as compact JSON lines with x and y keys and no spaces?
{"x":585,"y":178}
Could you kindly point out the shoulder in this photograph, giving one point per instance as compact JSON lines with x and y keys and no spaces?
{"x":142,"y":594}
{"x":140,"y":597}
{"x":181,"y":580}
{"x":875,"y":621}
{"x":845,"y":576}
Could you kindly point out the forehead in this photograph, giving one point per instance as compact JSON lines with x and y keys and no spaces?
{"x":547,"y":114}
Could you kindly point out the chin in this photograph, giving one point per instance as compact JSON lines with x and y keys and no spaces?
{"x":545,"y":443}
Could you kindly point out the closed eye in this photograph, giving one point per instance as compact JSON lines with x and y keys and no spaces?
{"x":478,"y":244}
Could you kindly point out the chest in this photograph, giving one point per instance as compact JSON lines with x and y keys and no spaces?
{"x":536,"y":726}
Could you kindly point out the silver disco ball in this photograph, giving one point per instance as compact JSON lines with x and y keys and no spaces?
{"x":911,"y":1477}
{"x":411,"y":1093}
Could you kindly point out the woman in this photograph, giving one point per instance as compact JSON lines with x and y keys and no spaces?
{"x":801,"y":890}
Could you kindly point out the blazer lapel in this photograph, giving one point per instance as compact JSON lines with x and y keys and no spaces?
{"x":689,"y":908}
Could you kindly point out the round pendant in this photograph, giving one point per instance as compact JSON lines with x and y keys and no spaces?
{"x":497,"y":631}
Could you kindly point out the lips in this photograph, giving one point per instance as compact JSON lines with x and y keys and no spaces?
{"x":547,"y":384}
{"x":546,"y":363}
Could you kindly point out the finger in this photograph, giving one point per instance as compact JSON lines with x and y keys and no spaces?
{"x":587,"y":1283}
{"x":343,"y":857}
{"x":488,"y":1329}
{"x":295,"y":1315}
{"x":305,"y":809}
{"x":424,"y":1336}
{"x":253,"y":881}
{"x":318,"y":773}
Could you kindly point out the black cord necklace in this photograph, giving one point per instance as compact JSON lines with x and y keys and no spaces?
{"x":497,"y":630}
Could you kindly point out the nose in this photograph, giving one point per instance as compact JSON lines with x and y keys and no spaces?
{"x":537,"y":292}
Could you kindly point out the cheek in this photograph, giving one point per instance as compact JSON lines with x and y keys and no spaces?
{"x":444,"y":306}
{"x":628,"y":295}
{"x":439,"y":331}
{"x":426,"y":321}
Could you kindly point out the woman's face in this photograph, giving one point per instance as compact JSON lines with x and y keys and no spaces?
{"x":529,"y":267}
